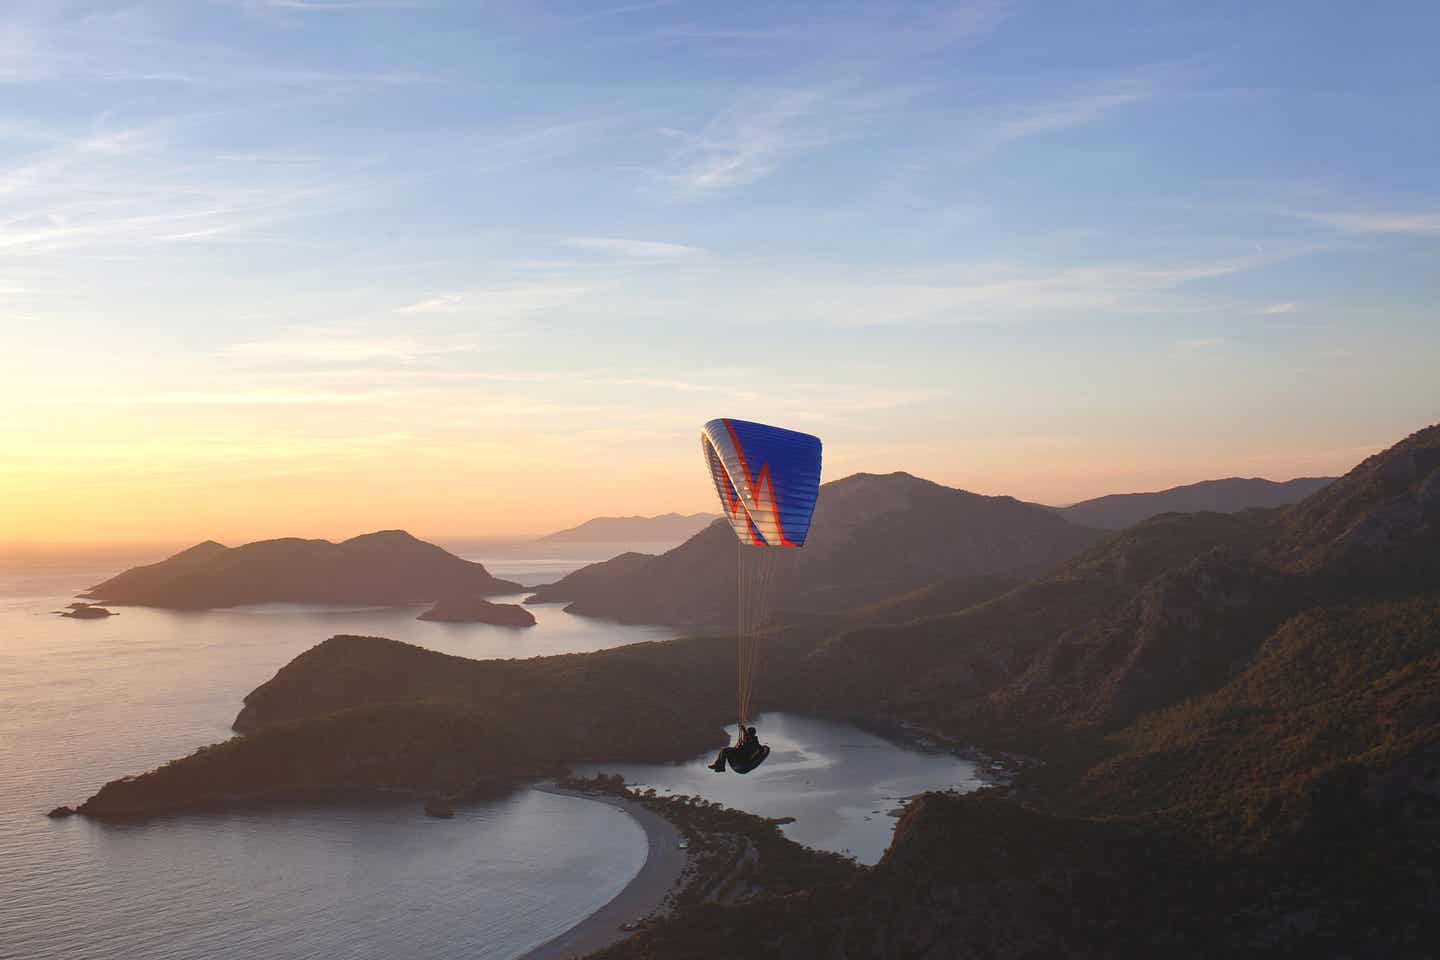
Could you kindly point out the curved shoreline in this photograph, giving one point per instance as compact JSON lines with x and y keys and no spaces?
{"x":642,"y":896}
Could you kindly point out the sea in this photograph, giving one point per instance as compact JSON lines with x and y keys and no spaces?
{"x":85,"y":701}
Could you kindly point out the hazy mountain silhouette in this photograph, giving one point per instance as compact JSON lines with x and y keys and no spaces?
{"x":387,"y":567}
{"x":665,"y":528}
{"x":1231,"y":495}
{"x":873,"y":537}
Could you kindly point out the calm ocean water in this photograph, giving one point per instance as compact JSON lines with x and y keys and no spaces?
{"x":82,"y":702}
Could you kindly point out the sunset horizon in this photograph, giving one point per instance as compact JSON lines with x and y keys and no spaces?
{"x":267,"y":275}
{"x":654,"y":479}
{"x":304,"y":526}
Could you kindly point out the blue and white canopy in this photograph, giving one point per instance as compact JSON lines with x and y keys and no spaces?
{"x":767,"y":479}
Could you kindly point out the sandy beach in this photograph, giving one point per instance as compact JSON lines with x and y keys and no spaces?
{"x":641,"y":897}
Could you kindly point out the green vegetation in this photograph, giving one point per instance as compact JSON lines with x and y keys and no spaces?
{"x":1351,"y":686}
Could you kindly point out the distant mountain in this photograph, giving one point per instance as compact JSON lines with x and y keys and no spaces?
{"x":1120,"y":510}
{"x":873,"y":537}
{"x":665,"y":528}
{"x":388,"y":567}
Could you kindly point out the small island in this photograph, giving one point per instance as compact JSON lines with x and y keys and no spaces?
{"x":479,"y":610}
{"x":86,"y":611}
{"x":385,"y":568}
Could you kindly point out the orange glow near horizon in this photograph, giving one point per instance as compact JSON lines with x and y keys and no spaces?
{"x":256,"y":283}
{"x":173,"y":444}
{"x":206,"y":474}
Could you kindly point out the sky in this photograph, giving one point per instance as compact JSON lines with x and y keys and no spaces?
{"x":317,"y":267}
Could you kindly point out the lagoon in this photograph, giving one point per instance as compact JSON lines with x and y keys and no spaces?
{"x":840,"y":783}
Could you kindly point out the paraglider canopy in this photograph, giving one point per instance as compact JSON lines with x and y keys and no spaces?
{"x":767,"y":479}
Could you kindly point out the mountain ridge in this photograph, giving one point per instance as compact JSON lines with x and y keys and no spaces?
{"x":1116,"y":511}
{"x":873,"y":536}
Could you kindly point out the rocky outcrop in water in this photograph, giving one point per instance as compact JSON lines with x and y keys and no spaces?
{"x":478,"y":610}
{"x":87,"y":611}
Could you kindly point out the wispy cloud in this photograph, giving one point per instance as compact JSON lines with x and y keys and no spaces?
{"x":1278,"y":309}
{"x":114,"y":191}
{"x":152,"y":76}
{"x":747,"y":142}
{"x":737,"y":293}
{"x":525,"y":145}
{"x":622,"y":10}
{"x":990,"y":292}
{"x":445,"y":303}
{"x":1426,"y":223}
{"x":138,"y":43}
{"x":26,"y":55}
{"x":500,"y":302}
{"x":635,"y":249}
{"x":329,"y":345}
{"x":330,"y":6}
{"x":1000,"y":126}
{"x":1200,"y":343}
{"x":859,"y":35}
{"x":762,"y":131}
